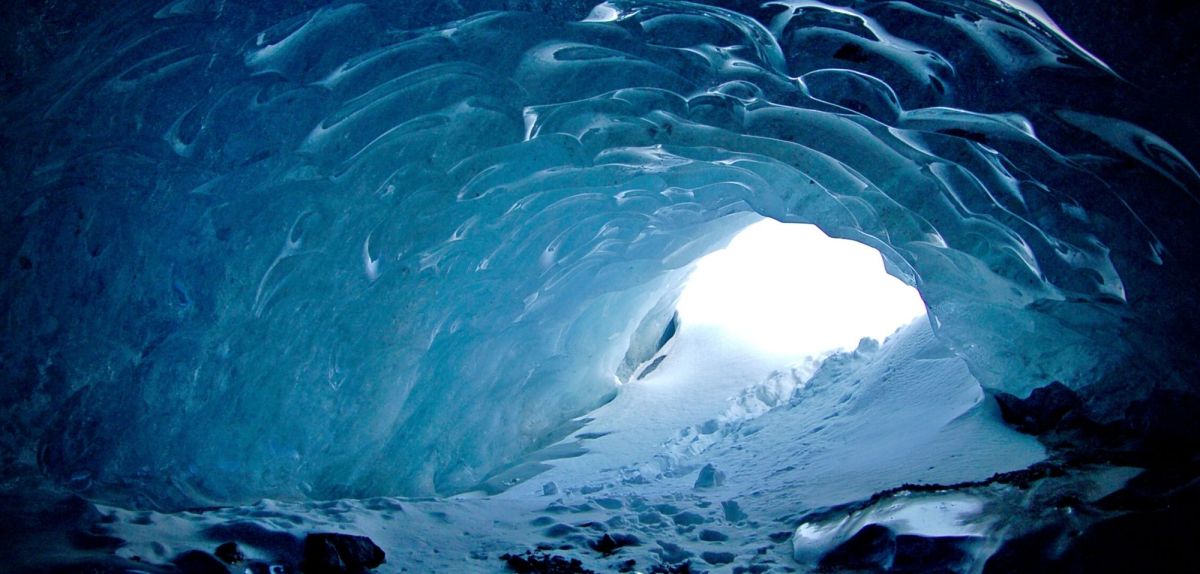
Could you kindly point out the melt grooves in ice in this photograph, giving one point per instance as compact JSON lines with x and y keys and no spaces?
{"x":273,"y":252}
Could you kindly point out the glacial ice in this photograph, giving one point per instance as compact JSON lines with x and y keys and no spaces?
{"x":319,"y":253}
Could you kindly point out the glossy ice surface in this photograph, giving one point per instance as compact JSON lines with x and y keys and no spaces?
{"x":301,"y":252}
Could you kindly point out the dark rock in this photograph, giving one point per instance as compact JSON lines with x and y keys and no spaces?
{"x":929,"y":555}
{"x":717,"y":558}
{"x":710,"y":477}
{"x":230,"y":553}
{"x":1032,"y":553}
{"x":1157,"y":489}
{"x":872,"y":548}
{"x":333,"y":553}
{"x":77,"y":510}
{"x":876,"y":548}
{"x":35,"y":513}
{"x":688,"y":519}
{"x":733,"y":511}
{"x":1167,"y":424}
{"x":91,"y":541}
{"x":1144,"y":527}
{"x":1157,"y":541}
{"x":610,"y":543}
{"x":713,"y":536}
{"x":199,"y":562}
{"x":1042,"y":411}
{"x":530,"y":563}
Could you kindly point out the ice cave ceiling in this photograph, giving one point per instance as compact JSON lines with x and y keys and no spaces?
{"x":322,"y":251}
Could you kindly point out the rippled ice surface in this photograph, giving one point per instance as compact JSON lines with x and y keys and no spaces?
{"x":327,"y":252}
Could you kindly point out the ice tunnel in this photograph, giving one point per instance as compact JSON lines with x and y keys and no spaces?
{"x":342,"y":250}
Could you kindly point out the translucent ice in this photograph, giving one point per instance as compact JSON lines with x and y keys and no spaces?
{"x":279,"y":251}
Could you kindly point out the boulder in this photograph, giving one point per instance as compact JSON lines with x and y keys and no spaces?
{"x":199,"y":562}
{"x":610,"y":543}
{"x":872,"y":548}
{"x":710,"y":477}
{"x":932,"y":554}
{"x":1042,"y":411}
{"x":229,"y":553}
{"x":333,"y":553}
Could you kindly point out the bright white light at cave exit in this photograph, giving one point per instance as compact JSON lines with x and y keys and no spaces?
{"x":789,"y":288}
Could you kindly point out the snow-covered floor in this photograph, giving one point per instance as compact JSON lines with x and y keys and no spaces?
{"x":783,"y":436}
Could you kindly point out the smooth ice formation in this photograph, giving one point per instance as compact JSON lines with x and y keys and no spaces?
{"x":350,"y":250}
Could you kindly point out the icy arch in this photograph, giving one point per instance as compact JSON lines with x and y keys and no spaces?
{"x":261,"y":254}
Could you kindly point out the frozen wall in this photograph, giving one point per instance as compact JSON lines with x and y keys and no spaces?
{"x":319,"y":253}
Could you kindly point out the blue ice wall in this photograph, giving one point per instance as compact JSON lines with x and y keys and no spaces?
{"x":353,"y":249}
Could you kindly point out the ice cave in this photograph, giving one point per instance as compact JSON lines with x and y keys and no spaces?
{"x":332,"y":286}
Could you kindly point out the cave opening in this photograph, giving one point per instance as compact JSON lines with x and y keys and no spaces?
{"x":791,"y":290}
{"x":778,"y":335}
